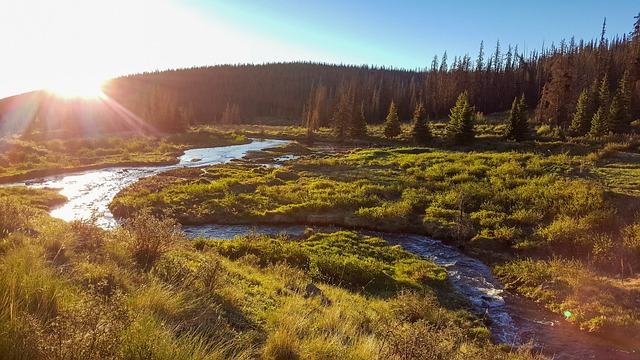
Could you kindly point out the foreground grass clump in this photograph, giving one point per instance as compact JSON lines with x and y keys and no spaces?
{"x":92,"y":298}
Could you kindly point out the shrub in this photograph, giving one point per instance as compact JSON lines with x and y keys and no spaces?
{"x":149,"y":237}
{"x":13,"y":216}
{"x":88,"y":236}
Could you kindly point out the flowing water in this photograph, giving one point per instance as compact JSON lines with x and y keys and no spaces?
{"x":515,"y":320}
{"x":91,"y":191}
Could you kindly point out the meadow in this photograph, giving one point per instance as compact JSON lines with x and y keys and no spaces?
{"x":143,"y":291}
{"x":36,"y":155}
{"x":555,"y":218}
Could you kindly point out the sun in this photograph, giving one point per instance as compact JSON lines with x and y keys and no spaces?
{"x":71,"y":88}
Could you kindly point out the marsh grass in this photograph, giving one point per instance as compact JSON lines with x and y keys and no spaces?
{"x":240,"y":299}
{"x":34,"y":157}
{"x":498,"y":205}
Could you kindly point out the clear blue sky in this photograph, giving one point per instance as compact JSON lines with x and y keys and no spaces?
{"x":77,"y":43}
{"x":408,"y":34}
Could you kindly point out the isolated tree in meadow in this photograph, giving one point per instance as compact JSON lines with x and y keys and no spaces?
{"x":518,"y":128}
{"x":392,"y":123}
{"x":620,"y":108}
{"x":358,"y":126}
{"x":420,"y":132}
{"x":460,"y":128}
{"x":581,"y":122}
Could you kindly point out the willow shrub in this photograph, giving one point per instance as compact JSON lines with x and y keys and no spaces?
{"x":14,"y":216}
{"x":148,"y":237}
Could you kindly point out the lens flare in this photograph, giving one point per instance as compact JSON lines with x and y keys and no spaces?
{"x":71,"y":88}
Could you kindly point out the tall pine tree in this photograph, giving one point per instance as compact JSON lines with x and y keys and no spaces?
{"x":420,"y":132}
{"x":620,"y":109}
{"x":518,"y":128}
{"x":392,"y":123}
{"x":460,"y":127}
{"x":581,"y":122}
{"x":358,"y":127}
{"x":344,"y":113}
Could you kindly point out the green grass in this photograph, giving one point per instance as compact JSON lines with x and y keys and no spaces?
{"x":501,"y":206}
{"x":29,"y":158}
{"x":240,"y":299}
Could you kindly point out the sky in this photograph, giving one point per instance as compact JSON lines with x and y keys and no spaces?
{"x":76,"y":44}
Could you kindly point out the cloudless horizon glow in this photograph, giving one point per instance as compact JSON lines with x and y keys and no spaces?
{"x":60,"y":43}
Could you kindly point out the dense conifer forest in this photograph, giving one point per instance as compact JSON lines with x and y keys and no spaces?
{"x":558,"y":82}
{"x":551,"y":79}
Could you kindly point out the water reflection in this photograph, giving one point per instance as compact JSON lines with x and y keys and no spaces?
{"x":90,"y":192}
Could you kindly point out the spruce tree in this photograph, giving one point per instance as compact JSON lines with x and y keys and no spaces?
{"x":599,"y":124}
{"x":460,"y":127}
{"x":581,"y":123}
{"x":358,"y":127}
{"x":344,"y":113}
{"x":420,"y":132}
{"x":392,"y":123}
{"x":604,"y":99}
{"x":620,"y":109}
{"x":518,"y":128}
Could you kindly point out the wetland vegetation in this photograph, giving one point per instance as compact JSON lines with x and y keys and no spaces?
{"x":546,"y":194}
{"x":73,"y":290}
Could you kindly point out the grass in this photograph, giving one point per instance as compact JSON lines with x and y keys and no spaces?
{"x":555,"y":218}
{"x":503,"y":206}
{"x":586,"y":298}
{"x":240,"y":299}
{"x":29,"y":158}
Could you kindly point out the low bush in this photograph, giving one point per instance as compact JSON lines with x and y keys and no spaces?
{"x":148,"y":237}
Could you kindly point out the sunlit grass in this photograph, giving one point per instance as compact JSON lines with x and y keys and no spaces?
{"x":238,"y":299}
{"x":29,"y":158}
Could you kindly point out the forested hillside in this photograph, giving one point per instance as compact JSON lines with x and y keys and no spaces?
{"x":605,"y":73}
{"x":552,"y":80}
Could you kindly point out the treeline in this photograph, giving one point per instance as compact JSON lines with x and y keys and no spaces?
{"x":552,"y":80}
{"x":313,"y":94}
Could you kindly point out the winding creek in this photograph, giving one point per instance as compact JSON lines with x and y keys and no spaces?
{"x":515,"y":320}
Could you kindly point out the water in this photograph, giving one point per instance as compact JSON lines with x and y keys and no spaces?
{"x":91,"y":191}
{"x":515,"y":320}
{"x":471,"y":277}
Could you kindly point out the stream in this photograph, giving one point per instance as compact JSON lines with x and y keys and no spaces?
{"x":515,"y":320}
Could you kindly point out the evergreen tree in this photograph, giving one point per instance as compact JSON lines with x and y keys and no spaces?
{"x":358,"y":128}
{"x":620,"y":109}
{"x":392,"y":123}
{"x":420,"y":132}
{"x":599,"y":124}
{"x":604,"y":94}
{"x":231,"y":114}
{"x":460,"y":127}
{"x":581,"y":123}
{"x":518,"y":128}
{"x":343,"y":116}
